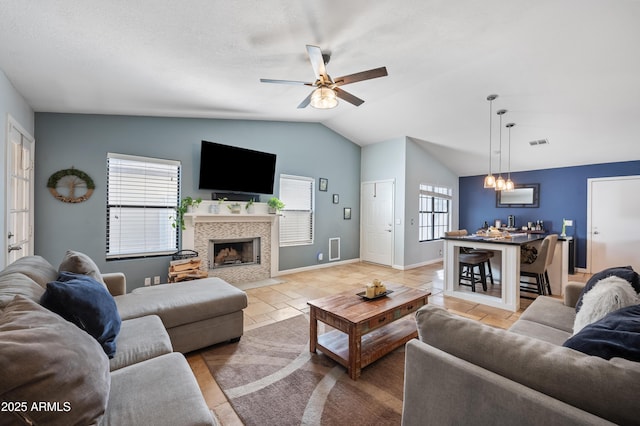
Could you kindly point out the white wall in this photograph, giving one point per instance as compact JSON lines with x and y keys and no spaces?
{"x":11,"y":104}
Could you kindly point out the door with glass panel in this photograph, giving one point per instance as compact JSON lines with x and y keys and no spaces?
{"x":19,"y":195}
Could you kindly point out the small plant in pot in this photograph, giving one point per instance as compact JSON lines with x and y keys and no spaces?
{"x":275,"y":205}
{"x":234,"y":208}
{"x":215,"y":208}
{"x":249,"y":206}
{"x":187,"y":205}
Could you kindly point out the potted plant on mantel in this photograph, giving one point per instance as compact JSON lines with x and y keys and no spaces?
{"x":215,"y":208}
{"x":249,"y":207}
{"x":275,"y":205}
{"x":187,"y":204}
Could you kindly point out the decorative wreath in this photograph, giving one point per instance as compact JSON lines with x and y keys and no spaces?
{"x":71,"y":179}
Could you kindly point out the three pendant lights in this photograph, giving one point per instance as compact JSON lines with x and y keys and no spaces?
{"x":490,"y":181}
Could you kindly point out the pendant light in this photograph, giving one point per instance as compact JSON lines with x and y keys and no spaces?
{"x":500,"y":183}
{"x":490,"y":180}
{"x":509,"y":185}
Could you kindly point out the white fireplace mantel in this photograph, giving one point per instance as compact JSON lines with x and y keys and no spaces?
{"x":191,"y":219}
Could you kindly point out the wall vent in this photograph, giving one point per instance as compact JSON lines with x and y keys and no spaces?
{"x":539,"y":142}
{"x":334,"y":248}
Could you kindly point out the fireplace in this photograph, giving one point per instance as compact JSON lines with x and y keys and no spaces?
{"x":234,"y":252}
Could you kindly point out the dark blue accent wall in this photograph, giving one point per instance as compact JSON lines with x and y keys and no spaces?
{"x":563,"y":194}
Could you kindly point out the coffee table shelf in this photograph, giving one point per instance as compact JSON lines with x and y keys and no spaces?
{"x":374,"y":345}
{"x":366,"y":330}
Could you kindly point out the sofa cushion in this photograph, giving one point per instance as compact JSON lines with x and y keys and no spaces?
{"x":46,"y":359}
{"x":540,"y":331}
{"x":554,"y":370}
{"x":607,"y":295}
{"x":80,"y":263}
{"x":86,"y":303}
{"x":15,"y":283}
{"x":159,"y":391}
{"x":624,"y":272}
{"x":183,"y":303}
{"x":35,"y":267}
{"x":551,"y":312}
{"x":615,"y":335}
{"x":140,"y":339}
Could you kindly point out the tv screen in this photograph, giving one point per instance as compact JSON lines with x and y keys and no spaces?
{"x":233,"y":169}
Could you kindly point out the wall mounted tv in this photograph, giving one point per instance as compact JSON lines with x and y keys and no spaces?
{"x":233,"y":169}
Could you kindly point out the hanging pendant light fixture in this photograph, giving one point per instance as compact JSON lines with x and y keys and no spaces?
{"x":509,"y":186}
{"x":500,"y":182}
{"x":490,"y":179}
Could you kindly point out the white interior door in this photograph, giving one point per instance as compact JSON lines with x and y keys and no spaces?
{"x":377,"y":222}
{"x":19,"y":194}
{"x":614,"y":223}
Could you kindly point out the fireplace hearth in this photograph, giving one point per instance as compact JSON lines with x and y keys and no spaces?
{"x":234,"y":252}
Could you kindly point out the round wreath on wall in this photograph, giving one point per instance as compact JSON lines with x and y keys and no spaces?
{"x":67,"y":185}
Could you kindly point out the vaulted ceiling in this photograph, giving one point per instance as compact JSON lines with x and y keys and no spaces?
{"x":566,"y":70}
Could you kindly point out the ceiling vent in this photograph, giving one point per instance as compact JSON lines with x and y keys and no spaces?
{"x":539,"y":142}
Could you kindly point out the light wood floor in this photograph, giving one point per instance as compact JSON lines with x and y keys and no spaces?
{"x":280,"y":301}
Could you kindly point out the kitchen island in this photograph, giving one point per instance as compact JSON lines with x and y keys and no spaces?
{"x":507,"y":253}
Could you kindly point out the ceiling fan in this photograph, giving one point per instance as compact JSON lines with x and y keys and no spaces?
{"x":327,"y":89}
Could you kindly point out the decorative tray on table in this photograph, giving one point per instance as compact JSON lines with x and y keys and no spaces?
{"x":363,"y":294}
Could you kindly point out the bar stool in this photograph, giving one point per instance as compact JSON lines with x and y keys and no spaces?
{"x":468,"y":263}
{"x":470,"y":259}
{"x":538,"y":269}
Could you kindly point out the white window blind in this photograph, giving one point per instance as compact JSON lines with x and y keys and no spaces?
{"x":296,"y":223}
{"x":142,"y":197}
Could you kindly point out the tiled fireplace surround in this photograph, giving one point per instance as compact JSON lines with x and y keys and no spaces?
{"x":203,"y":227}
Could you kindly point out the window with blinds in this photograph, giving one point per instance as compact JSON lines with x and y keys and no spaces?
{"x":296,"y":222}
{"x":142,"y":197}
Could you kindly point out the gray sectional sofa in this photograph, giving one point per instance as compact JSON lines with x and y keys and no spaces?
{"x":53,"y":372}
{"x":462,"y":372}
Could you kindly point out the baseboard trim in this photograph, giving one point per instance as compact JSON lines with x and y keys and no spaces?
{"x":313,"y":267}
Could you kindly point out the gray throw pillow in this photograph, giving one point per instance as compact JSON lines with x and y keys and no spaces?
{"x":80,"y":263}
{"x":57,"y":373}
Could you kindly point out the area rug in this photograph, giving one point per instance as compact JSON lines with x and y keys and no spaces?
{"x":271,"y":378}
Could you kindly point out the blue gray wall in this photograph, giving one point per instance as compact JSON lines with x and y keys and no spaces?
{"x":563,"y":194}
{"x":11,"y":104}
{"x":82,"y":141}
{"x":409,"y":165}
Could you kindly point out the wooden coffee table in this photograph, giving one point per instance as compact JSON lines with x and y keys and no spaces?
{"x":366,"y":330}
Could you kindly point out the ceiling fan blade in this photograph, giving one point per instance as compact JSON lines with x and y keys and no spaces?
{"x":359,"y":76}
{"x":297,"y":83}
{"x":306,"y":101}
{"x":346,"y":96}
{"x":317,"y":61}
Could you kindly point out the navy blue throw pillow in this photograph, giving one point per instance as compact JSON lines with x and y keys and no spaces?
{"x":624,"y":272}
{"x":615,"y":335}
{"x":85,"y":302}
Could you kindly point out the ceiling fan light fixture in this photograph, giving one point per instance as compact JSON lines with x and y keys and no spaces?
{"x":324,"y":98}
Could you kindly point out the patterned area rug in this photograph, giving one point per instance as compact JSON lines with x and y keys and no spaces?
{"x":271,"y":378}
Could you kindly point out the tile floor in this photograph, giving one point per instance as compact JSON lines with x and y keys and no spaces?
{"x":276,"y":302}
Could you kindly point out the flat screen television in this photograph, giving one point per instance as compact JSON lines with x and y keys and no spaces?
{"x":233,"y":169}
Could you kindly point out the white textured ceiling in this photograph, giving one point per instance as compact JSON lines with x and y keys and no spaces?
{"x":567,"y":70}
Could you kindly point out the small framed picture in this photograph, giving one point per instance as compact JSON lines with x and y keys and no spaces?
{"x":336,"y":198}
{"x":347,"y":213}
{"x":323,"y":185}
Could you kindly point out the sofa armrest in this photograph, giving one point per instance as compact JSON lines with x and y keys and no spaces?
{"x":572,"y":293}
{"x":447,"y":390}
{"x":116,"y":283}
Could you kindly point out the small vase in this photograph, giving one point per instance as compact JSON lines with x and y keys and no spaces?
{"x":214,"y":208}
